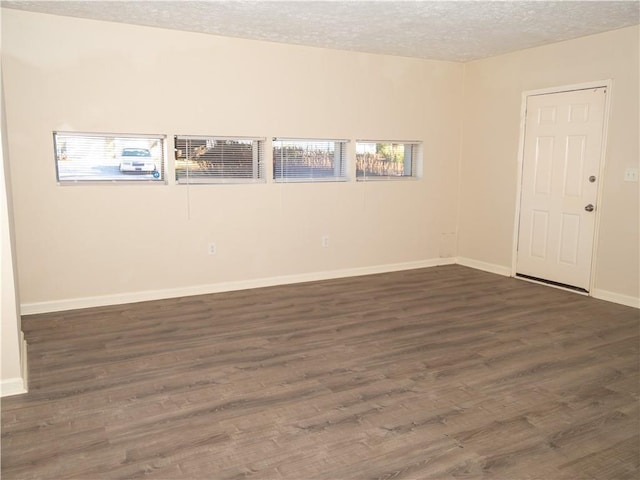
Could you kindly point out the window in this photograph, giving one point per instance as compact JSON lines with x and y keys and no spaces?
{"x":386,"y":160}
{"x":91,"y":157}
{"x":219,"y":159}
{"x":297,"y":160}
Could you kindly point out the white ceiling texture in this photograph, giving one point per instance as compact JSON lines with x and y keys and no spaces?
{"x":458,"y":31}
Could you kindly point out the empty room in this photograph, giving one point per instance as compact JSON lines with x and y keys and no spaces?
{"x":320,"y":240}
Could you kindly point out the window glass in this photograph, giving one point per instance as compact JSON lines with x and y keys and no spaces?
{"x":219,"y":159}
{"x":386,"y":160}
{"x":299,"y":160}
{"x":90,"y":157}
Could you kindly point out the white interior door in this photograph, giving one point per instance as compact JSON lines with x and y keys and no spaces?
{"x":561,"y":165}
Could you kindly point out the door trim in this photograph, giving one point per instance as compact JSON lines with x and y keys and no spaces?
{"x":608,"y":84}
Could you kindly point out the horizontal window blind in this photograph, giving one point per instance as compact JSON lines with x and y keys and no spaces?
{"x":103,"y":157}
{"x":219,"y":159}
{"x":309,"y":160}
{"x":385,"y":160}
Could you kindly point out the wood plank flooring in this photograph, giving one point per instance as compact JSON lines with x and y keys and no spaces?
{"x":445,"y":372}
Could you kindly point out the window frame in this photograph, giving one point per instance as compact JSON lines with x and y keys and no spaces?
{"x":258,"y":154}
{"x":413,"y":163}
{"x":122,"y":138}
{"x":343,"y":152}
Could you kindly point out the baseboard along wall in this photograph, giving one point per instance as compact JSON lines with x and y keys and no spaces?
{"x":143,"y":296}
{"x":17,"y":385}
{"x":626,"y":300}
{"x":484,"y":266}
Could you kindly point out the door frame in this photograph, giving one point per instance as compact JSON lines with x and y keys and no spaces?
{"x":608,"y":84}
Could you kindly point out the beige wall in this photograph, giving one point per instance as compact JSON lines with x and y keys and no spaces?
{"x":104,"y":242}
{"x":493,"y":97}
{"x":76,"y":242}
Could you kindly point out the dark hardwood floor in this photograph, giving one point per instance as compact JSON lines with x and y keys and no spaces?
{"x":445,"y":372}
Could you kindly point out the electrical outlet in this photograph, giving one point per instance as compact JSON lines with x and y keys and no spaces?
{"x":325,"y":241}
{"x":212,"y":248}
{"x":631,"y":175}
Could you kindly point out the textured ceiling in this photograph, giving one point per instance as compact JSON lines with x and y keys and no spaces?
{"x":440,"y":30}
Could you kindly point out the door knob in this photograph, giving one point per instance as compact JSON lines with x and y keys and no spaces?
{"x":589,"y":208}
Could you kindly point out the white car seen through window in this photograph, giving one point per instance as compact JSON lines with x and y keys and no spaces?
{"x":137,"y":160}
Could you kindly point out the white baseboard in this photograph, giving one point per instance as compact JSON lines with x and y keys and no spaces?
{"x":17,"y":385}
{"x":143,"y":296}
{"x":627,"y":300}
{"x":506,"y":271}
{"x":487,"y":267}
{"x":12,"y":386}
